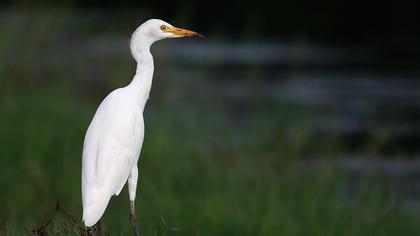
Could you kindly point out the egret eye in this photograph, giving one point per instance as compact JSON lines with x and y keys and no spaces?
{"x":163,"y":28}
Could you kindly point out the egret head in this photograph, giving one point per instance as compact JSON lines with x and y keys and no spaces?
{"x":154,"y":30}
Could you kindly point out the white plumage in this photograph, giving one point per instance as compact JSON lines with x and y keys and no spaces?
{"x":114,"y":138}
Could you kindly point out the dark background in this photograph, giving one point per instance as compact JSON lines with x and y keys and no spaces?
{"x":288,"y":118}
{"x":386,"y":22}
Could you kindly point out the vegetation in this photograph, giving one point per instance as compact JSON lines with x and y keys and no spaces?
{"x":190,"y":182}
{"x":205,"y":168}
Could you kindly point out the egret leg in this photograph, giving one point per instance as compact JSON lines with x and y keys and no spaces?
{"x":95,"y":230}
{"x":133,"y":219}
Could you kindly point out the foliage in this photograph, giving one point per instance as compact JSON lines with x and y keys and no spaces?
{"x":197,"y":177}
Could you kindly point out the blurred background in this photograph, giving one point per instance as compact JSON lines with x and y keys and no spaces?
{"x":289,"y":118}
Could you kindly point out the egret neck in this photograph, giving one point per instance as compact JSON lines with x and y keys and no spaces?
{"x":142,"y":81}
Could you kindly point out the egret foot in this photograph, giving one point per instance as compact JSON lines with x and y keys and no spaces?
{"x":133,"y":219}
{"x":95,"y":230}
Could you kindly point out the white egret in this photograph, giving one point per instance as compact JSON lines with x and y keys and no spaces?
{"x":115,"y":135}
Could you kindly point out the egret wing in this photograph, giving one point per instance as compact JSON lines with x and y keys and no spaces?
{"x":107,"y":156}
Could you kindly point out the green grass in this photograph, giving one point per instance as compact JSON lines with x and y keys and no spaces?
{"x":200,"y":173}
{"x":205,"y":169}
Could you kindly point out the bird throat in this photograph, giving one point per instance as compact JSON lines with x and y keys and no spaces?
{"x":142,"y":81}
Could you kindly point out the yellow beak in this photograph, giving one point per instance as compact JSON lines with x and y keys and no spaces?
{"x":182,"y":32}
